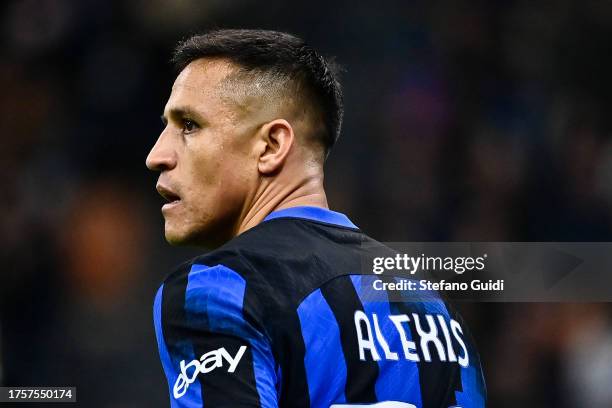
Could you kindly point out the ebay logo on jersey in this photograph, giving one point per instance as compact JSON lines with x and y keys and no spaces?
{"x":207,"y":363}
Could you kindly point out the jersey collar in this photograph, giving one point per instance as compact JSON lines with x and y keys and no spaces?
{"x":313,"y":213}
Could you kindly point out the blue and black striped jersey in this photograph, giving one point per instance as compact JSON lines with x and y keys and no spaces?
{"x":283,"y":316}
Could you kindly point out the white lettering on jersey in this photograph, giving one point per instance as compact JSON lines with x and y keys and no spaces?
{"x":432,"y":336}
{"x":365,"y":343}
{"x":449,"y":345}
{"x":389,"y":355}
{"x":207,"y":362}
{"x":408,"y":346}
{"x":457,"y":332}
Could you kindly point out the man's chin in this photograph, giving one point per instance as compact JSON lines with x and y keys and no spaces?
{"x":200,"y":240}
{"x":176,"y":237}
{"x":175,"y":240}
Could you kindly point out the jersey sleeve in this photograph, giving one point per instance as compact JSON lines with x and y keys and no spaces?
{"x":214,"y":354}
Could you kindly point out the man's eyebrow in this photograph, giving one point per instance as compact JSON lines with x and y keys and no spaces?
{"x":181,"y":112}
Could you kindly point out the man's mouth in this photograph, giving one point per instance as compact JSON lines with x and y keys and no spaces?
{"x":170,"y":196}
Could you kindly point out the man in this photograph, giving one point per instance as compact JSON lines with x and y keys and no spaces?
{"x":279,"y":314}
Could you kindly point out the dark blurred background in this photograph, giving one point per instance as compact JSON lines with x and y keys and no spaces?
{"x":466,"y":121}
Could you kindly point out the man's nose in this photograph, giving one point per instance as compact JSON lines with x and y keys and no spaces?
{"x":162,"y":156}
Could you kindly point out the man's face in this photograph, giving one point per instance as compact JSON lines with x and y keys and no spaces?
{"x":206,"y":158}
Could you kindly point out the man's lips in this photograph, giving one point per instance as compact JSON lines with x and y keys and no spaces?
{"x":170,"y":196}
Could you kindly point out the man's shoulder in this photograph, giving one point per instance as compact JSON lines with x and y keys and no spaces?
{"x":231,"y":284}
{"x":277,"y":241}
{"x":234,"y":254}
{"x":280,"y":260}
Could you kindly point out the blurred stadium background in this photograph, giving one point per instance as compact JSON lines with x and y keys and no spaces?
{"x":473,"y":121}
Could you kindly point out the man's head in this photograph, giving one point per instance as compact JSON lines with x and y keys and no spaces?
{"x":251,"y":112}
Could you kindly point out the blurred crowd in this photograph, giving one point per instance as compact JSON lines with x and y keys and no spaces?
{"x":465,"y":121}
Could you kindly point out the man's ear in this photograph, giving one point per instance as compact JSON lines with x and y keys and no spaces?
{"x":278,"y":139}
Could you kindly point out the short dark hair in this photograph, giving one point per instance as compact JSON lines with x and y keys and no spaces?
{"x":284,"y":57}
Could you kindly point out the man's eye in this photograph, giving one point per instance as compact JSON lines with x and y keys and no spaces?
{"x":189,"y":125}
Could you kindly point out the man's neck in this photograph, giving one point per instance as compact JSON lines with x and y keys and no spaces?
{"x":274,"y":197}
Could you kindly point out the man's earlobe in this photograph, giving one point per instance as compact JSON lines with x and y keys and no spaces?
{"x":279,"y":138}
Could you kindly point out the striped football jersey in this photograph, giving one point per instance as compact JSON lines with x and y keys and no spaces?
{"x":283,"y":315}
